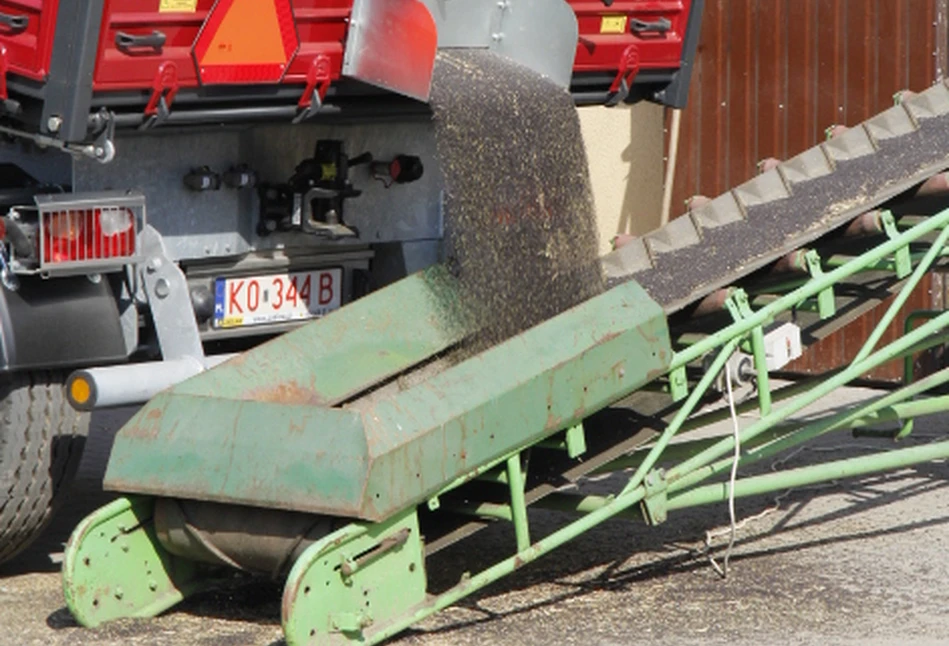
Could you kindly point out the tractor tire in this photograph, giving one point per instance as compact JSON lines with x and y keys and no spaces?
{"x":41,"y":442}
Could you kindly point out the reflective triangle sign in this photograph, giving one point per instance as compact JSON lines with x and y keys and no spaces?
{"x":246,"y":41}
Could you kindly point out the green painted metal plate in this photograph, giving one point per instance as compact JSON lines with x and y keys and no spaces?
{"x":334,"y":358}
{"x":373,"y":461}
{"x":114,"y":566}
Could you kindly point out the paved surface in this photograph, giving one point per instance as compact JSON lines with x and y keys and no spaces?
{"x":855,"y":562}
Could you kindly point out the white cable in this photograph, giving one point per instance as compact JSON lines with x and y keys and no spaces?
{"x":723,"y":570}
{"x":734,"y":526}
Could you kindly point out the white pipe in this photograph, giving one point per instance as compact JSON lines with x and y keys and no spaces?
{"x":136,"y":383}
{"x":671,"y":166}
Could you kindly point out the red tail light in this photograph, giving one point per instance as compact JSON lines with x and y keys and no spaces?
{"x":94,"y":234}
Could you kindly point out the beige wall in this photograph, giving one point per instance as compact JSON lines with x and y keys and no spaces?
{"x":625,"y":149}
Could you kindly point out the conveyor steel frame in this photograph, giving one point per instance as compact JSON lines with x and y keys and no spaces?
{"x":657,"y":490}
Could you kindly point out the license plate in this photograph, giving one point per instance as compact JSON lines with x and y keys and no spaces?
{"x":613,"y":25}
{"x":276,"y":298}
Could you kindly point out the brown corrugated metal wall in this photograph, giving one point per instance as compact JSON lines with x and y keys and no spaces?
{"x":772,"y":75}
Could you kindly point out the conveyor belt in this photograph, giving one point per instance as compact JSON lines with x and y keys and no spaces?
{"x":784,"y":209}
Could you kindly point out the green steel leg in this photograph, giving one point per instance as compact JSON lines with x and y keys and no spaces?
{"x":114,"y":567}
{"x":515,"y":480}
{"x":678,"y":383}
{"x":907,"y":427}
{"x":740,"y":308}
{"x":826,"y":306}
{"x":901,"y":255}
{"x":576,"y":440}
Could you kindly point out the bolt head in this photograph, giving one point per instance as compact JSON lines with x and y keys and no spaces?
{"x":54,"y":123}
{"x":162,"y":288}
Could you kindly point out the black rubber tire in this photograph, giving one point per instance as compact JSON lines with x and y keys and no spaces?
{"x":41,"y":442}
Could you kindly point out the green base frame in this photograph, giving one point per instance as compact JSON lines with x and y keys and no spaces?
{"x":366,"y":582}
{"x":114,"y":567}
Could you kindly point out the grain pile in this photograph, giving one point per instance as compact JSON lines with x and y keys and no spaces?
{"x":520,"y":222}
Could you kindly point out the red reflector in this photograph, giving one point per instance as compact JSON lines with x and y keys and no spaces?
{"x":246,"y":41}
{"x":88,"y":235}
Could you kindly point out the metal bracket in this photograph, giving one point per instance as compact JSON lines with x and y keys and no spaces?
{"x":679,"y":384}
{"x":349,"y":566}
{"x":738,"y":305}
{"x":740,"y":308}
{"x":576,"y":441}
{"x":166,"y":290}
{"x":826,"y":305}
{"x":902,"y":260}
{"x":318,"y":80}
{"x":333,"y":228}
{"x":629,"y":64}
{"x":655,"y":503}
{"x":351,"y":622}
{"x":103,"y":148}
{"x":164,"y":89}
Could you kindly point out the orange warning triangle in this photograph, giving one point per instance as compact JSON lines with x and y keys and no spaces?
{"x":248,"y":33}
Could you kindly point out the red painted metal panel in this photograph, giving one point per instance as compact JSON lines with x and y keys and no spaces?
{"x":321,"y":27}
{"x":654,"y":29}
{"x":606,"y":32}
{"x":27,"y":35}
{"x":135,"y":68}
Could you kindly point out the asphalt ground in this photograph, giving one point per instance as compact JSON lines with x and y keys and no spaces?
{"x":853,"y":562}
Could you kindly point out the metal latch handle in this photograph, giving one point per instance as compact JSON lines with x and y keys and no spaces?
{"x":660,"y":26}
{"x":348,"y":567}
{"x":15,"y":23}
{"x":155,"y":40}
